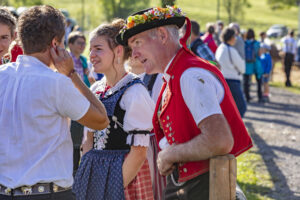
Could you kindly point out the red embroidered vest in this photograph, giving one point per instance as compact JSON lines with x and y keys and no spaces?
{"x":176,"y":121}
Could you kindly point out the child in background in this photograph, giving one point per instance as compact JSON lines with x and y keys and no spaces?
{"x":266,"y":62}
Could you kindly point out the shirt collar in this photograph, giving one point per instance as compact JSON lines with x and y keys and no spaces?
{"x":167,"y":76}
{"x":31,"y":62}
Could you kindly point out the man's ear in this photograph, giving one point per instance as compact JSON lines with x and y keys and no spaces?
{"x":162,"y":34}
{"x":54,"y":42}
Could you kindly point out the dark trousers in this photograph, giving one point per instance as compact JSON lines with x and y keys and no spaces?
{"x":77,"y":134}
{"x":288,"y":62}
{"x":194,"y":189}
{"x":238,"y":95}
{"x":247,"y":87}
{"x":66,"y":195}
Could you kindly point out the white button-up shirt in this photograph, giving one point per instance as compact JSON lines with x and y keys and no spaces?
{"x":35,"y":141}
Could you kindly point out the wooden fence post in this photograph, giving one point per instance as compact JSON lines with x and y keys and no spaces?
{"x":222,"y":177}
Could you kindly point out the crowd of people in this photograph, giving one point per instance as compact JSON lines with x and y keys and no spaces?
{"x":146,"y":111}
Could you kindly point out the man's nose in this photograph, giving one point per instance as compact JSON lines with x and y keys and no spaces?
{"x":135,"y":54}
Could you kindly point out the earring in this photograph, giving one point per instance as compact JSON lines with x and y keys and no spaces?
{"x":118,"y":60}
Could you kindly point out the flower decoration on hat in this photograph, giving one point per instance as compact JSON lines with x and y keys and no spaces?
{"x":156,"y":13}
{"x":148,"y":19}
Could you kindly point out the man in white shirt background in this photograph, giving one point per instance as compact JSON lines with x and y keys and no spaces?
{"x":290,"y":51}
{"x":35,"y":104}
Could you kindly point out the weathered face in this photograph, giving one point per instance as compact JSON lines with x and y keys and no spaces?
{"x":147,"y":50}
{"x":101,"y":56}
{"x":5,"y":39}
{"x":78,"y":46}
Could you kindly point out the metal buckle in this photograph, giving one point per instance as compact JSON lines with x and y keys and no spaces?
{"x":27,"y":190}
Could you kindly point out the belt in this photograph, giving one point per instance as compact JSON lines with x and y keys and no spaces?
{"x":39,"y":188}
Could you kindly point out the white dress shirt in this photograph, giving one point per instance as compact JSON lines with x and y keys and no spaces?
{"x":35,"y":141}
{"x":201,"y":90}
{"x":289,"y":45}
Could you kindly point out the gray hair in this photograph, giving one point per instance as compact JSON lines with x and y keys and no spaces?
{"x":173,"y":30}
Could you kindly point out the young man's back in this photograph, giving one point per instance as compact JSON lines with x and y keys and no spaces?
{"x":33,"y":118}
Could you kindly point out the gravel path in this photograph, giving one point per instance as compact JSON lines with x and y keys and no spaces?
{"x":275,"y":130}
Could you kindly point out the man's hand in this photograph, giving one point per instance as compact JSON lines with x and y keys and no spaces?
{"x":164,"y":164}
{"x":62,"y":60}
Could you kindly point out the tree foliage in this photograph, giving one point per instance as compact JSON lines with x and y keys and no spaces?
{"x":281,"y":4}
{"x":18,"y":3}
{"x":235,"y":9}
{"x":165,"y":3}
{"x":122,"y":8}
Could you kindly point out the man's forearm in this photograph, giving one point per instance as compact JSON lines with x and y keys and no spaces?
{"x":85,"y":91}
{"x":215,"y":139}
{"x":193,"y":150}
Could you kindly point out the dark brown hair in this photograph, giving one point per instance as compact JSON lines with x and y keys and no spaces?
{"x":8,"y":19}
{"x":73,"y":36}
{"x":38,"y":26}
{"x":227,"y":34}
{"x":110,"y":32}
{"x":250,"y":34}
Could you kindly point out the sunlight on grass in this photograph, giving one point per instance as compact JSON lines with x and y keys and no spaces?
{"x":295,"y":88}
{"x":253,"y":177}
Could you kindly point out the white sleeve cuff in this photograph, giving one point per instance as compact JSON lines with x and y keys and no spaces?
{"x":138,"y":140}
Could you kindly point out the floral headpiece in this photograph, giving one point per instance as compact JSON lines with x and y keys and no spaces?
{"x":155,"y":16}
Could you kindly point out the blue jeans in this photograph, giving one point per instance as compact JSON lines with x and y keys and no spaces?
{"x":236,"y":91}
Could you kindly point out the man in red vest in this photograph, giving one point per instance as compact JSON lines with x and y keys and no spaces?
{"x":195,"y":116}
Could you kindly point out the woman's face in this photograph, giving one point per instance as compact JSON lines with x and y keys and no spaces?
{"x":101,"y":56}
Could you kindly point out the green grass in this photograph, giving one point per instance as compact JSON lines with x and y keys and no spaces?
{"x":259,"y":16}
{"x":295,"y":88}
{"x":253,"y":177}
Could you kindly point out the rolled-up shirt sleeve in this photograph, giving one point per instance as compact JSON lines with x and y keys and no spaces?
{"x":70,"y":102}
{"x":202,"y":93}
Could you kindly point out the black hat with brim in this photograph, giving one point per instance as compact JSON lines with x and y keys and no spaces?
{"x":122,"y":38}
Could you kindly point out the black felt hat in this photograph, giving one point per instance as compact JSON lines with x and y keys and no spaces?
{"x":148,"y":19}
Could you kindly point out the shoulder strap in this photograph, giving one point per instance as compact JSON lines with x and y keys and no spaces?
{"x":230,"y":58}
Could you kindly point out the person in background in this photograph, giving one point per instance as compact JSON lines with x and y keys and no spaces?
{"x":114,"y":164}
{"x":253,"y":65}
{"x":219,"y":29}
{"x":266,"y":62}
{"x":263,"y":36}
{"x":239,"y":44}
{"x":232,"y":67}
{"x":36,"y":104}
{"x":197,"y":45}
{"x":289,"y":49}
{"x":68,"y":29}
{"x":208,"y":37}
{"x":7,"y":34}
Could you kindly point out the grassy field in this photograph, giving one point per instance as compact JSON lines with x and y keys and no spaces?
{"x":259,"y":16}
